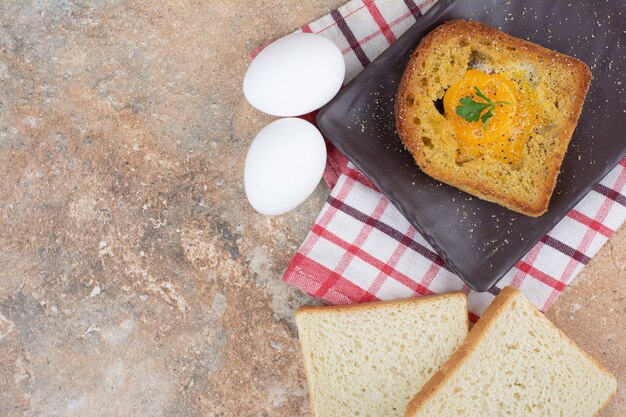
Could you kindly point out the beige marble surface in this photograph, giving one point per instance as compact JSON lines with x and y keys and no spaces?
{"x":134,"y":279}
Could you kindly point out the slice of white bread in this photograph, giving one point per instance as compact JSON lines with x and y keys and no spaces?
{"x":515,"y":363}
{"x":369,"y":359}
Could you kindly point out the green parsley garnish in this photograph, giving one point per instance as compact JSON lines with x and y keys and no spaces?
{"x":470,"y":110}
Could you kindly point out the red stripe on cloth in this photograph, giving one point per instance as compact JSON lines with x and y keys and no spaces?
{"x":330,"y":174}
{"x":352,"y":41}
{"x":530,"y":259}
{"x":381,"y":22}
{"x":378,"y":32}
{"x":584,"y":245}
{"x":388,"y":230}
{"x":589,"y":222}
{"x":473,"y":317}
{"x":306,"y":29}
{"x":334,"y":297}
{"x":253,"y":53}
{"x":541,"y":276}
{"x":357,"y":175}
{"x":310,"y":282}
{"x":366,"y":257}
{"x":305,"y":273}
{"x":430,"y":274}
{"x":391,"y":264}
{"x":410,"y":283}
{"x":351,"y":249}
{"x":345,"y":286}
{"x":328,"y":215}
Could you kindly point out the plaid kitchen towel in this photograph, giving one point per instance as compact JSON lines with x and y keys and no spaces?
{"x":361,"y":248}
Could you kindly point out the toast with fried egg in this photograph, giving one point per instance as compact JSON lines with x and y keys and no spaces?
{"x":489,"y":113}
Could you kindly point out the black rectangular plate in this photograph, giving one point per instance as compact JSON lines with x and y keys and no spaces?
{"x":481,"y":241}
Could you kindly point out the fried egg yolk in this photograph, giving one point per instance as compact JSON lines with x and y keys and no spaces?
{"x":507,"y":131}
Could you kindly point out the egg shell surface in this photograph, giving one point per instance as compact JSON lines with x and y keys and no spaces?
{"x":285,"y":162}
{"x":294,"y":75}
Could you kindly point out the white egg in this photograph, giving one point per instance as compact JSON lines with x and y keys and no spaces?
{"x":294,"y":75}
{"x":284,"y":165}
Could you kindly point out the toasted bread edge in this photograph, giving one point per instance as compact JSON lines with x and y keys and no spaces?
{"x":454,"y":28}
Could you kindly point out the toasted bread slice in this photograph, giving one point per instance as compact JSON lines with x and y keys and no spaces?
{"x":370,"y":359}
{"x":515,"y":363}
{"x":552,"y":89}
